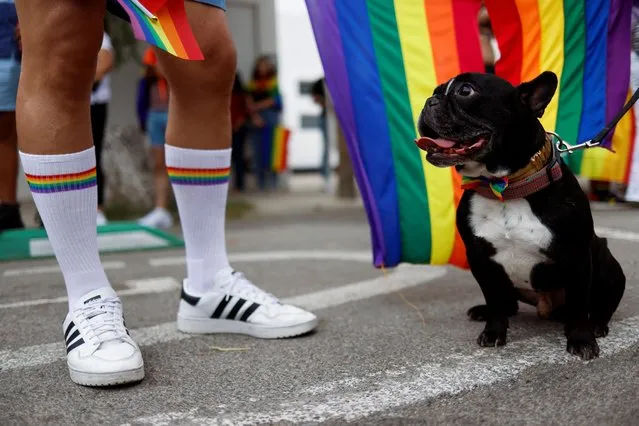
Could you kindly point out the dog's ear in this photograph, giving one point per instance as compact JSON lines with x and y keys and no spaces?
{"x":536,"y":94}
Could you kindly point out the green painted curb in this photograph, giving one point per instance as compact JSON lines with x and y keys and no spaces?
{"x":22,"y":244}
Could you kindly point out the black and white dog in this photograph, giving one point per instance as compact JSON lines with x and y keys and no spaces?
{"x":524,"y":219}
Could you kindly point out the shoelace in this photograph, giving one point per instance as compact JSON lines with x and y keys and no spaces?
{"x":238,"y":284}
{"x":104,"y":319}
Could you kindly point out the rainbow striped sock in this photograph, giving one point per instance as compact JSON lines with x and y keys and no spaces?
{"x":46,"y":184}
{"x":202,"y":177}
{"x":200,"y":180}
{"x":64,"y":189}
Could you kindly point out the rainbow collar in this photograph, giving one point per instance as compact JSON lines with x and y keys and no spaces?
{"x":543,"y":169}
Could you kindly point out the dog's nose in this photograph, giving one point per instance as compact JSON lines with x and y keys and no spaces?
{"x":431,"y":102}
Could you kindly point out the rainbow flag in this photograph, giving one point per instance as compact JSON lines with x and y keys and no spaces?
{"x":587,"y":44}
{"x":382,"y":59}
{"x":162,"y":23}
{"x":279,"y":152}
{"x":274,"y":146}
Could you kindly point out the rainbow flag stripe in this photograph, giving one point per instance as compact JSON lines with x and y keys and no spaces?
{"x":382,"y":59}
{"x":170,"y":31}
{"x":279,"y":155}
{"x":203,"y":177}
{"x":62,"y":183}
{"x":587,"y":44}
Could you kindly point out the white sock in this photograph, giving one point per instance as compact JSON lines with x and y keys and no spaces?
{"x":200,"y":184}
{"x":65,"y":193}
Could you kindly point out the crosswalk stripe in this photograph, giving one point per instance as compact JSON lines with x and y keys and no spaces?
{"x":411,"y":385}
{"x":405,"y":276}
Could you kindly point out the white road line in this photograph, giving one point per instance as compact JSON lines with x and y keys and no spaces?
{"x":404,"y":276}
{"x":48,"y":269}
{"x":143,"y":286}
{"x":354,"y":256}
{"x":392,"y":389}
{"x":617,"y":234}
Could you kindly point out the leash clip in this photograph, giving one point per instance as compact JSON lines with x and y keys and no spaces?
{"x":563,"y":146}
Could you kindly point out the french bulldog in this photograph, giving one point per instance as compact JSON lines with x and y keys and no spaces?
{"x":540,"y":248}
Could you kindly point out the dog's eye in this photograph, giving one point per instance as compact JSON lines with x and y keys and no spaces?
{"x":465,"y":90}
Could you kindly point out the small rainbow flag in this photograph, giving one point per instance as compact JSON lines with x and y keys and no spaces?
{"x":382,"y":59}
{"x":274,"y":155}
{"x":587,"y":44}
{"x":162,"y":23}
{"x":279,"y":155}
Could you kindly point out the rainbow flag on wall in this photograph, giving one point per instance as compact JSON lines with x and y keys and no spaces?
{"x":382,"y":59}
{"x":587,"y":44}
{"x":162,"y":23}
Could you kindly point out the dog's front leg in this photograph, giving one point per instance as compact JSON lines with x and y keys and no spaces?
{"x":579,"y":331}
{"x":500,"y":298}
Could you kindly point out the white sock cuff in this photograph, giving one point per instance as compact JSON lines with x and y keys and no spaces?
{"x":56,"y":164}
{"x":197,"y":158}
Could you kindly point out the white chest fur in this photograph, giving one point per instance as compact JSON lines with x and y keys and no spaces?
{"x":516,"y":233}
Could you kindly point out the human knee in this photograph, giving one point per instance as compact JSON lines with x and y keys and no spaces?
{"x":60,"y":54}
{"x":212,"y":77}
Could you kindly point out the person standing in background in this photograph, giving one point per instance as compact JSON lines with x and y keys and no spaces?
{"x":266,"y":107}
{"x":9,"y":76}
{"x":100,"y":98}
{"x":155,"y":122}
{"x":240,"y":114}
{"x":319,"y":97}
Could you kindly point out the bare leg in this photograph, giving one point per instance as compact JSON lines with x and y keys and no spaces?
{"x":199,"y":159}
{"x":60,"y":41}
{"x":8,"y":157}
{"x":199,"y":109}
{"x":160,"y":178}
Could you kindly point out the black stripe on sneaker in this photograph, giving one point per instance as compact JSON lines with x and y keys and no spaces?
{"x":73,"y":336}
{"x":236,"y":309}
{"x":191,"y":300}
{"x":220,"y":308}
{"x":75,"y":345}
{"x":247,"y":313}
{"x":70,"y":326}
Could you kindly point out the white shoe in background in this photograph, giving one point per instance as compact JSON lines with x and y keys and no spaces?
{"x":101,"y":219}
{"x":157,"y":218}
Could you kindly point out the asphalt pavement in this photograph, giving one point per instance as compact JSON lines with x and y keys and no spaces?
{"x":393,"y":349}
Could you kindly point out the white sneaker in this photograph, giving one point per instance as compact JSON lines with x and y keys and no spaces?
{"x":237,"y":306}
{"x":101,"y":219}
{"x":157,"y":218}
{"x":100,"y":351}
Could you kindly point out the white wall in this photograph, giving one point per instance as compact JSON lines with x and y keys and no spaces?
{"x":298,"y":61}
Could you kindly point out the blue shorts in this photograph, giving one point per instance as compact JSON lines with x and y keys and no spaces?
{"x":217,"y":3}
{"x":156,"y":127}
{"x":9,"y":77}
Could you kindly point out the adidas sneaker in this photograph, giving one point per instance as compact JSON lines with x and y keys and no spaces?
{"x":238,"y":306}
{"x":100,"y":351}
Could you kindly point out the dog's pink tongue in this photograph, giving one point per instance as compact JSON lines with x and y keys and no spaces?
{"x":443,"y":143}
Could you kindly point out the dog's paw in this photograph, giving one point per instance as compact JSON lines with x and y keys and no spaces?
{"x":584,"y":344}
{"x":492,"y":338}
{"x":601,"y":330}
{"x":478,"y":313}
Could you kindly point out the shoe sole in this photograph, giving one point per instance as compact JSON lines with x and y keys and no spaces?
{"x":106,"y":379}
{"x":221,"y":326}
